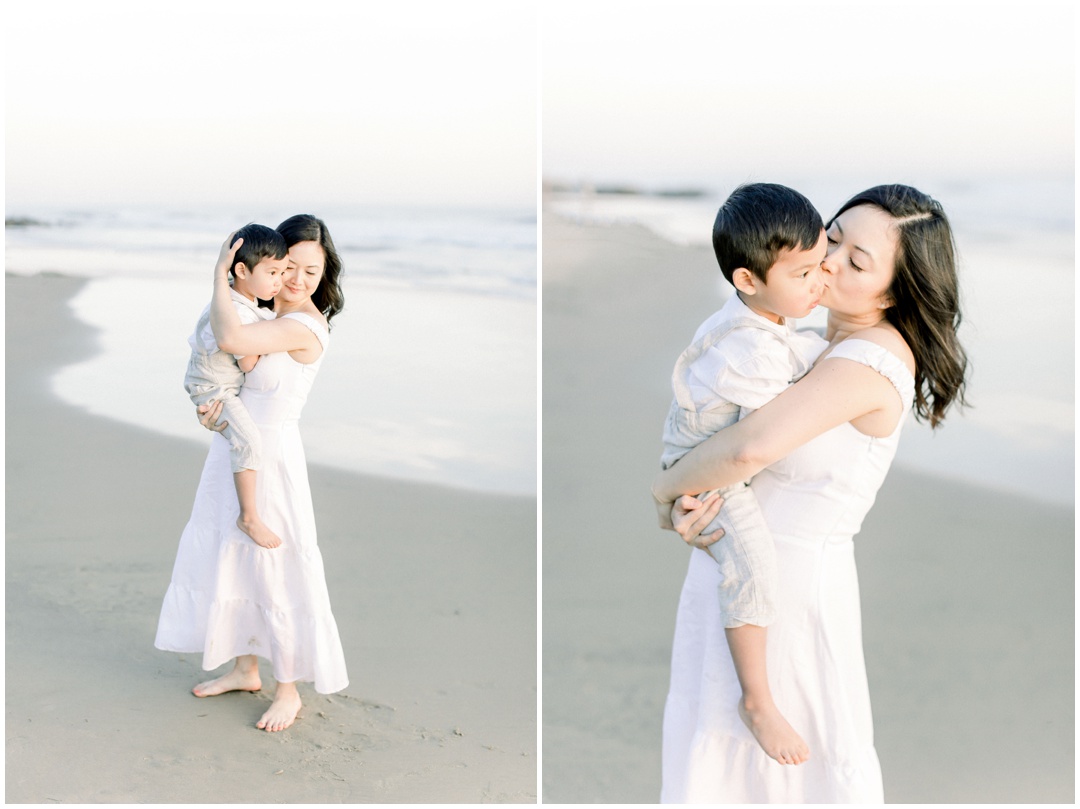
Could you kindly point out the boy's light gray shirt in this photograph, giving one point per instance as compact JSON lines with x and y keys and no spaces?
{"x":737,"y":362}
{"x":213,"y":375}
{"x":202,"y":339}
{"x":749,"y":366}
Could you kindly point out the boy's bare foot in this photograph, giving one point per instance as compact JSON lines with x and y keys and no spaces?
{"x":777,"y":738}
{"x":282,"y":712}
{"x":257,"y":530}
{"x":235,"y":680}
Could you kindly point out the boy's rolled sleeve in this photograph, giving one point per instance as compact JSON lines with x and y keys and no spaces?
{"x":749,"y":369}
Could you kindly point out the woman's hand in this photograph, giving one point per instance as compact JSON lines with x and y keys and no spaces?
{"x":690,"y":516}
{"x":227,"y":255}
{"x":208,"y":414}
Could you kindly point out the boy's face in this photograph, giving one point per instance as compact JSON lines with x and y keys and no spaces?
{"x":264,"y":279}
{"x":794,"y":285}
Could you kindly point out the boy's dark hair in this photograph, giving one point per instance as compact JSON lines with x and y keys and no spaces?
{"x":759,"y":221}
{"x":259,"y":242}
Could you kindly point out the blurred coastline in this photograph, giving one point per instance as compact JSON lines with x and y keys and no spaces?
{"x":431,"y":375}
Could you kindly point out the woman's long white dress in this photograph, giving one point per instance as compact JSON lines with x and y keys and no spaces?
{"x":814,"y":502}
{"x":229,"y":596}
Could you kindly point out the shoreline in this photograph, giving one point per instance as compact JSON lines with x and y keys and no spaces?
{"x":425,"y":583}
{"x":372,"y":412}
{"x":967,"y":595}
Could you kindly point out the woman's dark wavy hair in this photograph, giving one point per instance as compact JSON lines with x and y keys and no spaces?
{"x":304,"y":227}
{"x":925,"y":294}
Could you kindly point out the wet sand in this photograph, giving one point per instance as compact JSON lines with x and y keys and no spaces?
{"x":434,"y":591}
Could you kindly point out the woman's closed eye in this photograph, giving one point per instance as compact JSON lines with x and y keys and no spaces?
{"x":833,"y":243}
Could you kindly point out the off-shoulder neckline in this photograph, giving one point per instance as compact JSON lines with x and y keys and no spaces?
{"x":878,"y":346}
{"x":317,"y":328}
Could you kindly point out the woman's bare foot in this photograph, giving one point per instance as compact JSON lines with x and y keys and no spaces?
{"x":282,"y":712}
{"x":239,"y":679}
{"x":777,"y":738}
{"x":257,"y":530}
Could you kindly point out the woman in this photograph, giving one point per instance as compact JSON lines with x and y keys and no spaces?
{"x":230,"y":597}
{"x":818,"y":454}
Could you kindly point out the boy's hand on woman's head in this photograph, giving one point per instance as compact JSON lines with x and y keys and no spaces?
{"x":228,"y":254}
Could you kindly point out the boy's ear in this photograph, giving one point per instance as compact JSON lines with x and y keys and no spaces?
{"x":240,"y":270}
{"x":745,"y":281}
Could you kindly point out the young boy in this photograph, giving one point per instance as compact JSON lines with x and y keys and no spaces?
{"x":770,"y":242}
{"x":213,"y":375}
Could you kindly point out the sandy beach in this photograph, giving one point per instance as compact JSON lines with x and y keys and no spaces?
{"x":434,"y":591}
{"x":967,"y":593}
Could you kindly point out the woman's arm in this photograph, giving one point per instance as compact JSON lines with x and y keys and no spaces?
{"x":248,"y":363}
{"x":264,"y":337}
{"x":834,"y":392}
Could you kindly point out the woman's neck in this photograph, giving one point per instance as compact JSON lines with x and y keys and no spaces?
{"x":284,"y":307}
{"x":841,"y":325}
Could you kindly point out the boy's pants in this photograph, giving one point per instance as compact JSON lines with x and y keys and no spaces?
{"x":216,"y":377}
{"x":745,"y":553}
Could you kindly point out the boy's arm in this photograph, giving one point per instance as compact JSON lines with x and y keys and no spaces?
{"x":751,"y":368}
{"x":262,"y":337}
{"x":224,"y":319}
{"x":747,"y":368}
{"x":246,"y":361}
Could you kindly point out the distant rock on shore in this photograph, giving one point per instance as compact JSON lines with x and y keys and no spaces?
{"x":23,"y":222}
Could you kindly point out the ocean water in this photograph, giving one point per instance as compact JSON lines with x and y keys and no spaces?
{"x":431,"y":372}
{"x":1017,"y":272}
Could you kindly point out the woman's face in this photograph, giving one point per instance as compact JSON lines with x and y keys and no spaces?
{"x":860,"y":261}
{"x":303,"y":273}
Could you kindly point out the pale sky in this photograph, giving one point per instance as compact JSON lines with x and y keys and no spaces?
{"x":692,"y":91}
{"x":327,"y":102}
{"x":323,"y":102}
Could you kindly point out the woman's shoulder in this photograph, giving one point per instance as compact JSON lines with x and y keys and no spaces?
{"x":887,"y":337}
{"x":308,"y":314}
{"x":882,"y":352}
{"x":314,"y":320}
